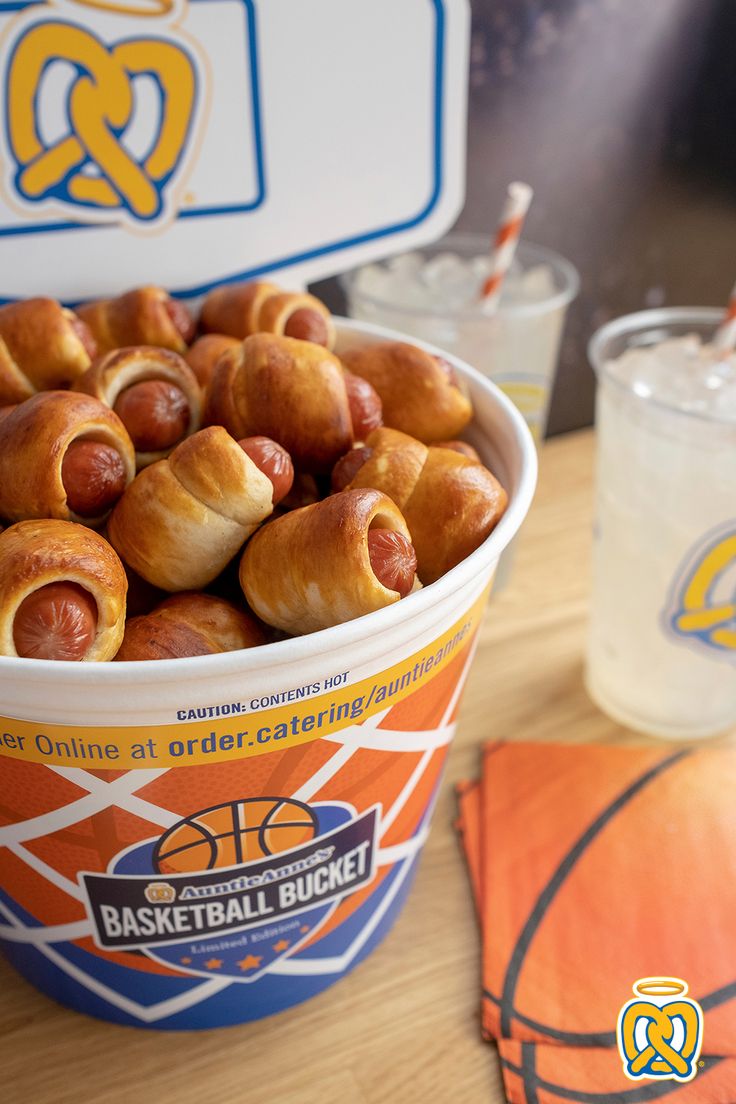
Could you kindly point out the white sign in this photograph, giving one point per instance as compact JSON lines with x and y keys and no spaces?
{"x":190,"y":142}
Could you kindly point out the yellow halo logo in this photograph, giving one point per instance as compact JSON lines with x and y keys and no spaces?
{"x":702,"y":611}
{"x":101,"y":163}
{"x":660,"y":1032}
{"x":134,"y":7}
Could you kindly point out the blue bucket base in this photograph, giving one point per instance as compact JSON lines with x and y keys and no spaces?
{"x":94,"y":986}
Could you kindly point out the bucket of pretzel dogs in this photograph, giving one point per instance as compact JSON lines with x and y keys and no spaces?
{"x":241,"y":578}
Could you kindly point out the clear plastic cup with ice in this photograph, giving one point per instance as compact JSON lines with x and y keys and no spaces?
{"x":434,"y":294}
{"x":662,"y":640}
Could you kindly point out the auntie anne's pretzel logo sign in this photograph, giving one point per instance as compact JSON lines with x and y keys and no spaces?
{"x":102,"y":105}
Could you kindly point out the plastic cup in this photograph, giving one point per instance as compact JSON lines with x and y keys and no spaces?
{"x":310,"y":767}
{"x":517,"y":347}
{"x":662,"y":639}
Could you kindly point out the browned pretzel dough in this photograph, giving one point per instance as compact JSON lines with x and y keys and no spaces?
{"x":42,"y":346}
{"x":260,"y":307}
{"x":34,"y":439}
{"x":449,"y":501}
{"x":111,"y":375}
{"x":310,"y":569}
{"x":292,"y":391}
{"x":143,"y":316}
{"x":183,"y":519}
{"x":204,"y":354}
{"x":419,"y":393}
{"x":36,"y":553}
{"x":189,"y":625}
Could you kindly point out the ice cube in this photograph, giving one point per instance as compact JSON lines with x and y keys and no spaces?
{"x":539,"y":283}
{"x":444,"y":270}
{"x":724,"y":403}
{"x":406,"y":294}
{"x":683,"y":374}
{"x":405,"y":264}
{"x":370,"y":279}
{"x":481,"y":266}
{"x":642,"y":370}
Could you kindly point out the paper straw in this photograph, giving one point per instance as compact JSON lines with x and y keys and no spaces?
{"x":725,"y":337}
{"x":518,"y":198}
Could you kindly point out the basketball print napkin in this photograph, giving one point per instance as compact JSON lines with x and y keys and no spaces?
{"x":535,"y":1073}
{"x":595,"y":867}
{"x":467,"y":826}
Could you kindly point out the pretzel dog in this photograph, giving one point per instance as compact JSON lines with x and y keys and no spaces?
{"x":189,"y":625}
{"x":328,"y":563}
{"x":182,"y":519}
{"x":42,"y":345}
{"x":240,"y":310}
{"x":450,"y":501}
{"x":144,"y":316}
{"x":153,"y":391}
{"x":419,"y":391}
{"x":63,"y":455}
{"x":204,"y":354}
{"x":62,"y":593}
{"x":292,"y":391}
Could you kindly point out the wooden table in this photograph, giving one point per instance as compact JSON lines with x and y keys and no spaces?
{"x":404,"y":1025}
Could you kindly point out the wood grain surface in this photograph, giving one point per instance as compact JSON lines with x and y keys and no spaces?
{"x":403,"y":1027}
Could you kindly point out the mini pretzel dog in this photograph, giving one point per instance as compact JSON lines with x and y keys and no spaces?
{"x":62,"y":593}
{"x":183,"y":519}
{"x":63,"y":455}
{"x":419,"y":391}
{"x":450,"y":501}
{"x":328,"y":563}
{"x":189,"y":625}
{"x":153,"y":391}
{"x":240,"y":310}
{"x":42,"y":346}
{"x":144,"y":316}
{"x":204,"y":354}
{"x":88,"y":397}
{"x":292,"y":391}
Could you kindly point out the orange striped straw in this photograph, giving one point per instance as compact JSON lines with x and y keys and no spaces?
{"x":518,"y":198}
{"x":725,"y":337}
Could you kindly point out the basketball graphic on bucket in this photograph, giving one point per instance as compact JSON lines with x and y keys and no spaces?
{"x":235,"y":832}
{"x":120,"y":886}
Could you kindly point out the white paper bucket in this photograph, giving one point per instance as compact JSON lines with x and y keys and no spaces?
{"x":315,"y":761}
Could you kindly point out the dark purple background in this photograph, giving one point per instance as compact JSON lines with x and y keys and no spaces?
{"x":622,"y":115}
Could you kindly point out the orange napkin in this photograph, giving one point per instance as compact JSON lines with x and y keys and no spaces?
{"x":467,"y":826}
{"x":594,"y":866}
{"x":538,"y":1074}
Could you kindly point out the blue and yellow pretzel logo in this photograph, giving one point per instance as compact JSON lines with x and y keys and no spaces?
{"x":660,"y":1031}
{"x":703,"y":610}
{"x":92,"y":168}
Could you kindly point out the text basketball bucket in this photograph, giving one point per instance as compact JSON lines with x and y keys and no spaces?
{"x":200,"y":842}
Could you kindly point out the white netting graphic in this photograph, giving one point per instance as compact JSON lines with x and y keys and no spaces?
{"x":122,"y":793}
